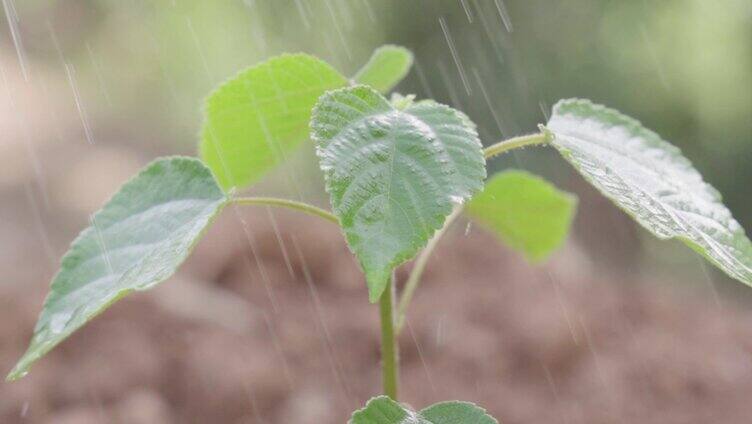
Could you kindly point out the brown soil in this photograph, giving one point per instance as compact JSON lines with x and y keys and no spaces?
{"x":294,"y":341}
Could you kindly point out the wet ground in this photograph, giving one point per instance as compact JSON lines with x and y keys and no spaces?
{"x":294,"y":340}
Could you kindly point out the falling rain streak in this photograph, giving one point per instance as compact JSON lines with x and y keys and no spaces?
{"x":194,"y":37}
{"x":12,"y":16}
{"x":422,"y":357}
{"x":487,"y":99}
{"x":26,"y":136}
{"x":334,"y":362}
{"x":501,"y":7}
{"x":338,"y":28}
{"x":40,"y":226}
{"x":468,"y":13}
{"x":302,"y":13}
{"x":98,"y":71}
{"x":70,"y":73}
{"x":455,"y":55}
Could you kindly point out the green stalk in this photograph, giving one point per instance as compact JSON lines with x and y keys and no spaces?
{"x":516,"y":142}
{"x":290,"y":204}
{"x":389,"y":354}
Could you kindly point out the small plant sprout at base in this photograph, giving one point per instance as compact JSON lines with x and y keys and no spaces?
{"x":399,"y":171}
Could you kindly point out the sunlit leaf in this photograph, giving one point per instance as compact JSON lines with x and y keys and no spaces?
{"x":254,"y":120}
{"x":652,"y":181}
{"x":137,"y":240}
{"x":393,"y":175}
{"x":525,"y":211}
{"x":383,"y":410}
{"x":386,"y":68}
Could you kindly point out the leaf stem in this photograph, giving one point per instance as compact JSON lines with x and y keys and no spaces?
{"x":516,"y":142}
{"x":389,"y":354}
{"x":417,"y":272}
{"x":290,"y":204}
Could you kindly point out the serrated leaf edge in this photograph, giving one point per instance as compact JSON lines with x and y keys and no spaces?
{"x":635,"y":126}
{"x":470,"y":404}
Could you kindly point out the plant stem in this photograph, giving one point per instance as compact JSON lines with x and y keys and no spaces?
{"x":389,"y":331}
{"x":389,"y":354}
{"x":514,"y":143}
{"x":390,"y":362}
{"x":417,"y":272}
{"x":291,"y":204}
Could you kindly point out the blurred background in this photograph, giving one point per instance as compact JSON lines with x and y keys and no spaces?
{"x":268,"y":322}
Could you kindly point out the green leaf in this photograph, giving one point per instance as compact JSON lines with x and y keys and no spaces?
{"x":383,"y":410}
{"x":650,"y":180}
{"x":457,"y":413}
{"x":386,"y":68}
{"x":525,"y":211}
{"x":137,"y":240}
{"x":254,"y":120}
{"x":393,"y":175}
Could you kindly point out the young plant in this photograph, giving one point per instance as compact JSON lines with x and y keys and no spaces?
{"x":398,"y":172}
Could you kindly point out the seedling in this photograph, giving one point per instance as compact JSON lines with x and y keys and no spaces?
{"x":398,"y":172}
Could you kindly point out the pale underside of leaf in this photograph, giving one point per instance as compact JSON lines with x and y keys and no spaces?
{"x":652,"y":181}
{"x":392,"y":175}
{"x":137,"y":240}
{"x":254,"y":120}
{"x":386,"y":67}
{"x":383,"y":410}
{"x":525,"y":211}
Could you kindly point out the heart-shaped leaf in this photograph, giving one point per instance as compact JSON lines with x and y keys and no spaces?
{"x":383,"y":410}
{"x":652,"y":181}
{"x":525,"y":211}
{"x":261,"y":115}
{"x":393,"y":175}
{"x":386,"y":67}
{"x":137,"y":240}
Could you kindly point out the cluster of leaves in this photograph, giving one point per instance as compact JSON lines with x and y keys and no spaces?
{"x":395,"y":170}
{"x":383,"y":410}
